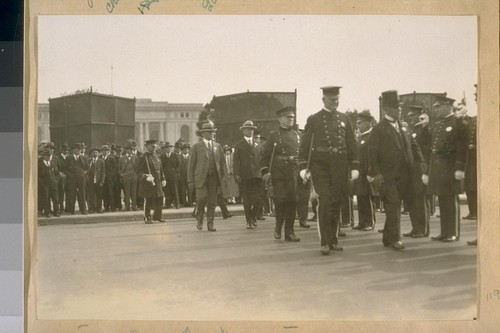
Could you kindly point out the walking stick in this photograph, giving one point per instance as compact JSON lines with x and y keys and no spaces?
{"x":313,"y":194}
{"x":269,"y":183}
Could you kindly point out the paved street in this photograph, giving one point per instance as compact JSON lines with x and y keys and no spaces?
{"x":130,"y":270}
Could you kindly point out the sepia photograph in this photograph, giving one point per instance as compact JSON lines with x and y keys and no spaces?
{"x":257,"y":168}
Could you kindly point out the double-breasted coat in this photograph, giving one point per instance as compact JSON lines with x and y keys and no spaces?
{"x":150,"y":164}
{"x":448,"y":154}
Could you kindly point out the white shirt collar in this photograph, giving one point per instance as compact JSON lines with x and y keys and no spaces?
{"x":366,"y":131}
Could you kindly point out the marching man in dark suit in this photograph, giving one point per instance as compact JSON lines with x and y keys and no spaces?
{"x":48,"y":176}
{"x":365,"y":190}
{"x":247,"y":173}
{"x":76,"y":170}
{"x":171,"y":164}
{"x":205,"y":173}
{"x":330,"y":143}
{"x":96,"y":177}
{"x":281,"y":154}
{"x":393,"y":155}
{"x":446,"y":168}
{"x":151,"y":182}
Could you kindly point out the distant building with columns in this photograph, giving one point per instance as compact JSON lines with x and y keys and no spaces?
{"x":153,"y":120}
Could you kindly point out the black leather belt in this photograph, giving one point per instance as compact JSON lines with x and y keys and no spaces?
{"x":334,"y":150}
{"x":286,"y":158}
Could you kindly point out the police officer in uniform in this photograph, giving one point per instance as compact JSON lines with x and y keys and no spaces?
{"x":471,"y":167}
{"x":151,"y":182}
{"x":445,"y":174}
{"x":334,"y":153}
{"x":284,"y":172}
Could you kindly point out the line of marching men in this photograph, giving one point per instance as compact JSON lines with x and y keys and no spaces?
{"x":105,"y":178}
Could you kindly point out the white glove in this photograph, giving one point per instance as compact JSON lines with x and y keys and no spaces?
{"x":425,"y":179}
{"x":354,"y":174}
{"x":150,"y":179}
{"x":163,"y":183}
{"x":370,"y":179}
{"x":459,"y":175}
{"x":305,"y":174}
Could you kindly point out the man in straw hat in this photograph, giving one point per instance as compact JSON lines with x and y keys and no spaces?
{"x":394,"y":157}
{"x":445,"y":175}
{"x":247,"y":173}
{"x":151,"y":182}
{"x":279,"y":165}
{"x":329,"y":153}
{"x":205,"y":173}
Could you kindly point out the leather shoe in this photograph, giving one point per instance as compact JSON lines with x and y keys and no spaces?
{"x":199,"y":226}
{"x":261,"y":218}
{"x":473,"y":242}
{"x":148,"y":220}
{"x":325,"y":250}
{"x":345,"y":225}
{"x":358,"y":227}
{"x":336,"y":247}
{"x":254,"y":223}
{"x":160,"y":220}
{"x":450,"y":239}
{"x":342,"y":234}
{"x":313,"y":219}
{"x":249,"y":226}
{"x":397,"y":245}
{"x":277,"y":235}
{"x":386,"y":244}
{"x":292,"y":238}
{"x":438,"y":237}
{"x":303,"y":224}
{"x":211,"y":228}
{"x":408,"y":234}
{"x":225,"y":217}
{"x":367,"y":228}
{"x":470,"y":217}
{"x":418,"y":235}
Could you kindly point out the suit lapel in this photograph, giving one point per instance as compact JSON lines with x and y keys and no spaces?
{"x":392,"y":133}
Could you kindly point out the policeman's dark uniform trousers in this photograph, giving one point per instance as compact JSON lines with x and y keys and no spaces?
{"x":284,"y":175}
{"x":152,"y":193}
{"x":471,"y":166}
{"x":334,"y":154}
{"x":365,"y":190}
{"x":394,"y":155}
{"x":448,"y":154}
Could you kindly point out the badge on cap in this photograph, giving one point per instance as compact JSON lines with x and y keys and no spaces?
{"x":342,"y":124}
{"x":363,"y":142}
{"x":448,"y":129}
{"x":414,"y":135}
{"x":403,"y":128}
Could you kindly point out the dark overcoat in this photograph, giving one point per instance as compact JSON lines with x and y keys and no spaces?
{"x":150,"y":164}
{"x":361,"y":185}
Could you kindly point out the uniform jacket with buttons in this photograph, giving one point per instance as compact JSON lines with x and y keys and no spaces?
{"x":471,"y":165}
{"x":284,"y":168}
{"x":150,"y":164}
{"x":448,"y":154}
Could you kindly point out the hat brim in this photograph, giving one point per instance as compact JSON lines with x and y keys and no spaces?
{"x":209,"y":130}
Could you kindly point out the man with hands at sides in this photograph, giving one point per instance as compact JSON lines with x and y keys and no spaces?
{"x":328,"y":154}
{"x":445,"y":175}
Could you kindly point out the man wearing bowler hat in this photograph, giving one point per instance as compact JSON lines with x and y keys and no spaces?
{"x":329,"y":154}
{"x":76,"y":169}
{"x":393,"y":156}
{"x":205,"y":173}
{"x":247,"y":173}
{"x":280,"y":166}
{"x":96,"y":177}
{"x":171,"y":164}
{"x":445,"y":174}
{"x":151,"y":182}
{"x":365,"y":191}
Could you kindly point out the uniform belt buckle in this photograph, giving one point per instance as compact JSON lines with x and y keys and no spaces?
{"x":334,"y":150}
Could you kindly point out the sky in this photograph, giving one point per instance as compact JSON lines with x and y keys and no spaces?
{"x":189,"y":59}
